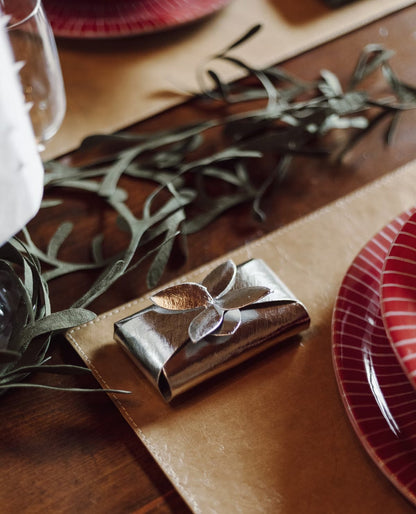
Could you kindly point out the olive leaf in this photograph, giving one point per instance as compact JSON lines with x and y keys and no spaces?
{"x":26,"y":319}
{"x":239,"y":298}
{"x":230,"y":323}
{"x":205,"y":323}
{"x":221,"y":278}
{"x":182,"y":297}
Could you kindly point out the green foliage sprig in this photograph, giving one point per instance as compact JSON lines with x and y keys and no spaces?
{"x":28,"y":323}
{"x":285,"y":116}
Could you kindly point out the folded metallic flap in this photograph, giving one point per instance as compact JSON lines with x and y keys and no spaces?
{"x":247,"y":310}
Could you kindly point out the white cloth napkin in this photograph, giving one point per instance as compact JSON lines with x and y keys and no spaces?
{"x":21,"y":170}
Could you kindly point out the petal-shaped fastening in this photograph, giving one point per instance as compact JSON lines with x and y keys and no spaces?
{"x":230,"y":323}
{"x":221,"y":279}
{"x":240,"y":298}
{"x":183,"y":297}
{"x":204,"y":323}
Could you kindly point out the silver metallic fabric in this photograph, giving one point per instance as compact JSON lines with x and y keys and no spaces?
{"x":158,"y":340}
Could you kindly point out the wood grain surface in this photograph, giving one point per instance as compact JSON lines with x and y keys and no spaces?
{"x":73,"y":453}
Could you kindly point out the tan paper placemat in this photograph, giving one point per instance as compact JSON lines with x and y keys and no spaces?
{"x":271,"y":435}
{"x":115,"y":83}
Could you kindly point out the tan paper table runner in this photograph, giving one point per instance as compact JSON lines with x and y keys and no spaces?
{"x":272,"y":435}
{"x":112,"y":84}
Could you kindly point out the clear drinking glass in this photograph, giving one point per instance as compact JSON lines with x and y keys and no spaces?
{"x":40,"y":73}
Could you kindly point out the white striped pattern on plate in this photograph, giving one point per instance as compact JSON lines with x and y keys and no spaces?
{"x":398,"y":297}
{"x":109,"y":18}
{"x":379,"y":399}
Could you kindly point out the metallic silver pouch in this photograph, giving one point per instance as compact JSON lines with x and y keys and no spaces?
{"x":195,"y":331}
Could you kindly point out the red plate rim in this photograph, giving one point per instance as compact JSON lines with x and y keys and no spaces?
{"x":379,"y":399}
{"x":112,"y":19}
{"x":398,"y":297}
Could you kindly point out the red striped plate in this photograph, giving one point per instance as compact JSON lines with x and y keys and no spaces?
{"x":379,"y":399}
{"x":398,"y":297}
{"x":110,"y":18}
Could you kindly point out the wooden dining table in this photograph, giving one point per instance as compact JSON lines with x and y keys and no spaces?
{"x":73,"y":452}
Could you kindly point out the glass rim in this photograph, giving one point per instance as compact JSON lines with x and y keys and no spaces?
{"x":32,"y":13}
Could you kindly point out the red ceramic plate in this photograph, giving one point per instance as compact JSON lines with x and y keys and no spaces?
{"x":379,"y":399}
{"x":398,"y":297}
{"x":117,"y":18}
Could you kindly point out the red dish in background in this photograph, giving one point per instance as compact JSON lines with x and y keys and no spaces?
{"x":398,"y":297}
{"x":118,"y":18}
{"x":378,"y":397}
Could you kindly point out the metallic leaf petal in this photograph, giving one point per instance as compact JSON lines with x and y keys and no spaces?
{"x":204,"y":323}
{"x":230,"y":324}
{"x":221,"y":278}
{"x":242,"y":297}
{"x":182,"y":297}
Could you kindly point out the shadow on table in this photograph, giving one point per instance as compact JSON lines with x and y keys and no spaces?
{"x":301,"y":12}
{"x":156,"y":41}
